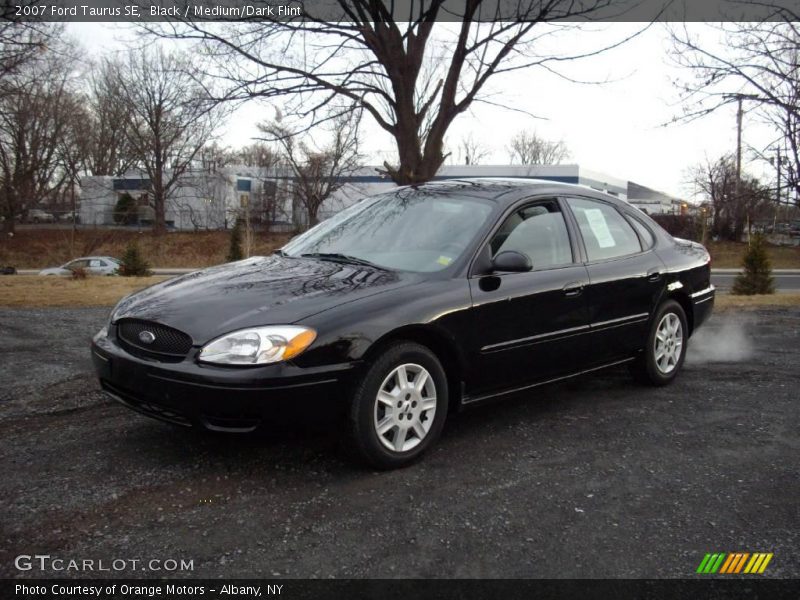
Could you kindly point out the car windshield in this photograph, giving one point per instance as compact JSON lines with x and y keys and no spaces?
{"x":408,"y":230}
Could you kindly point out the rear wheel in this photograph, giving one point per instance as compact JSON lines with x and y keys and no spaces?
{"x":665,"y":350}
{"x":399,"y":408}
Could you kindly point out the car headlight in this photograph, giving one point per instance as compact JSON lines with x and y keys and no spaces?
{"x":258,"y":345}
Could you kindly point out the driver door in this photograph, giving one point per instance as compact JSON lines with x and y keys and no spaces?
{"x":527,"y":326}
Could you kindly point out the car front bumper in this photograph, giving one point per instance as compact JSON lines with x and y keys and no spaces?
{"x":231,"y":399}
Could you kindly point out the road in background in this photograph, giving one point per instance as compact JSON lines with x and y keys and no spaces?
{"x":786,"y":280}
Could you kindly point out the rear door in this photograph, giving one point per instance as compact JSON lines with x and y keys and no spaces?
{"x":525,"y":324}
{"x":96,"y":266}
{"x":626,"y":278}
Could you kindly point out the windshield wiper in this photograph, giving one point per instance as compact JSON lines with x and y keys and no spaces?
{"x":343,"y":258}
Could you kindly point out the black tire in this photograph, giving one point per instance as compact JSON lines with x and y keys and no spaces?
{"x":363,"y":414}
{"x":644,"y":369}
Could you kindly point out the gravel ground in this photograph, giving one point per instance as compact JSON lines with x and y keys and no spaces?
{"x":595,"y":478}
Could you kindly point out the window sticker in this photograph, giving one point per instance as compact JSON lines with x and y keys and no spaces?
{"x":444,"y":260}
{"x":599,"y":227}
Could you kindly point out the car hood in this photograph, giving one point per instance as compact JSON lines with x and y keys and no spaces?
{"x":257,"y":291}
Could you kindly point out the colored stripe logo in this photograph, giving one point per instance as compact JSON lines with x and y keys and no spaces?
{"x":734,"y":563}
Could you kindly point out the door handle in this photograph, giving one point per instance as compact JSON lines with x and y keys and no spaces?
{"x":653,"y":275}
{"x":573,"y":289}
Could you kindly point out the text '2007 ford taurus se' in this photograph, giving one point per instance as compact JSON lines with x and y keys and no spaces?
{"x":408,"y":305}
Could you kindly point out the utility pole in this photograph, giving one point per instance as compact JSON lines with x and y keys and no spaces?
{"x":739,"y":117}
{"x":737,"y":184}
{"x":778,"y":188}
{"x":738,"y":145}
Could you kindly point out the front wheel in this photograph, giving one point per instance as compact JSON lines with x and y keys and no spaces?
{"x":665,"y":350}
{"x":399,"y":408}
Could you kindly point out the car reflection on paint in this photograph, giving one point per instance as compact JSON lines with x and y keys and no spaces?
{"x":409,"y":305}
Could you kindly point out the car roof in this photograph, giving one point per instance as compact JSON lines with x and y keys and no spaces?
{"x":508,"y":190}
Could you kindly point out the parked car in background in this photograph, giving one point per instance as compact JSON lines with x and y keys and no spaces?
{"x":36,"y":215}
{"x":68,"y":217}
{"x":408,"y":305}
{"x":93,"y":265}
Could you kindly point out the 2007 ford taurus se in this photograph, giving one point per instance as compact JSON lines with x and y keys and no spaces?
{"x":411,"y":304}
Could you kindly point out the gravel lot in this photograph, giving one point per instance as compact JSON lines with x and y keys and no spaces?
{"x":595,"y":478}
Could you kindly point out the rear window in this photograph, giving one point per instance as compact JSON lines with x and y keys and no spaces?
{"x":606,"y":234}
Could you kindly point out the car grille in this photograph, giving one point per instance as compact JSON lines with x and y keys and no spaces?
{"x":167,"y":340}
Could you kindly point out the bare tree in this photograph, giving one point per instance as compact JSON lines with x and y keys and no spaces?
{"x":412,"y":77}
{"x":730,"y":211}
{"x":758,"y":63}
{"x":318,"y":170}
{"x":23,"y":42}
{"x":36,"y":119}
{"x":267,"y":168}
{"x":109,"y":150}
{"x":472,"y":151}
{"x":529,"y":148}
{"x":170,"y":118}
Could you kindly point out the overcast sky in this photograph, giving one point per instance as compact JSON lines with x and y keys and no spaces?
{"x":615,"y":128}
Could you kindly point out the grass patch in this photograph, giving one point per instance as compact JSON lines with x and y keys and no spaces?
{"x":36,"y":291}
{"x":729,"y":301}
{"x":728,"y":255}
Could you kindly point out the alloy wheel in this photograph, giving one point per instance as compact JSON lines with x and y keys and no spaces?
{"x":668,"y":343}
{"x":405,"y":407}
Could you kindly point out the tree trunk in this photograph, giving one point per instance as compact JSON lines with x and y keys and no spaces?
{"x":415,"y":167}
{"x":313,"y":219}
{"x":159,"y":223}
{"x":8,"y":212}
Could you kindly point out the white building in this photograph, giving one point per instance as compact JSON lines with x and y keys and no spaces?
{"x":368,"y":180}
{"x":654,"y":202}
{"x":200,"y":199}
{"x":212,"y":200}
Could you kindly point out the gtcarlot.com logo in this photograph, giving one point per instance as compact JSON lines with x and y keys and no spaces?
{"x":45,"y":562}
{"x":734,"y":563}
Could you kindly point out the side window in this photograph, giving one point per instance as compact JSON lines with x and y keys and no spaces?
{"x":644,"y":233}
{"x":605,"y":232}
{"x":539,"y":231}
{"x":94,"y":263}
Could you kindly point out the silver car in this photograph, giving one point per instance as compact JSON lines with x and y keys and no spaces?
{"x":94,"y":265}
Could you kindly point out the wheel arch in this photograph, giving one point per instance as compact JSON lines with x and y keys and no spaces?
{"x":437,"y":342}
{"x":685,"y":301}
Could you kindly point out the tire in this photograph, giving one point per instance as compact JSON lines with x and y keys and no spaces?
{"x":654,"y":366}
{"x":389,"y":424}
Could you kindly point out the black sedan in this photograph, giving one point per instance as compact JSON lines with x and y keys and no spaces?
{"x":409,"y":305}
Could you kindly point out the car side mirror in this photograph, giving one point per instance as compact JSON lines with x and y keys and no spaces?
{"x":512,"y":261}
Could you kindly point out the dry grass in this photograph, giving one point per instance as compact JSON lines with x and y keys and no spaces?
{"x":35,"y":291}
{"x":729,"y":301}
{"x":728,"y":255}
{"x":40,"y":248}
